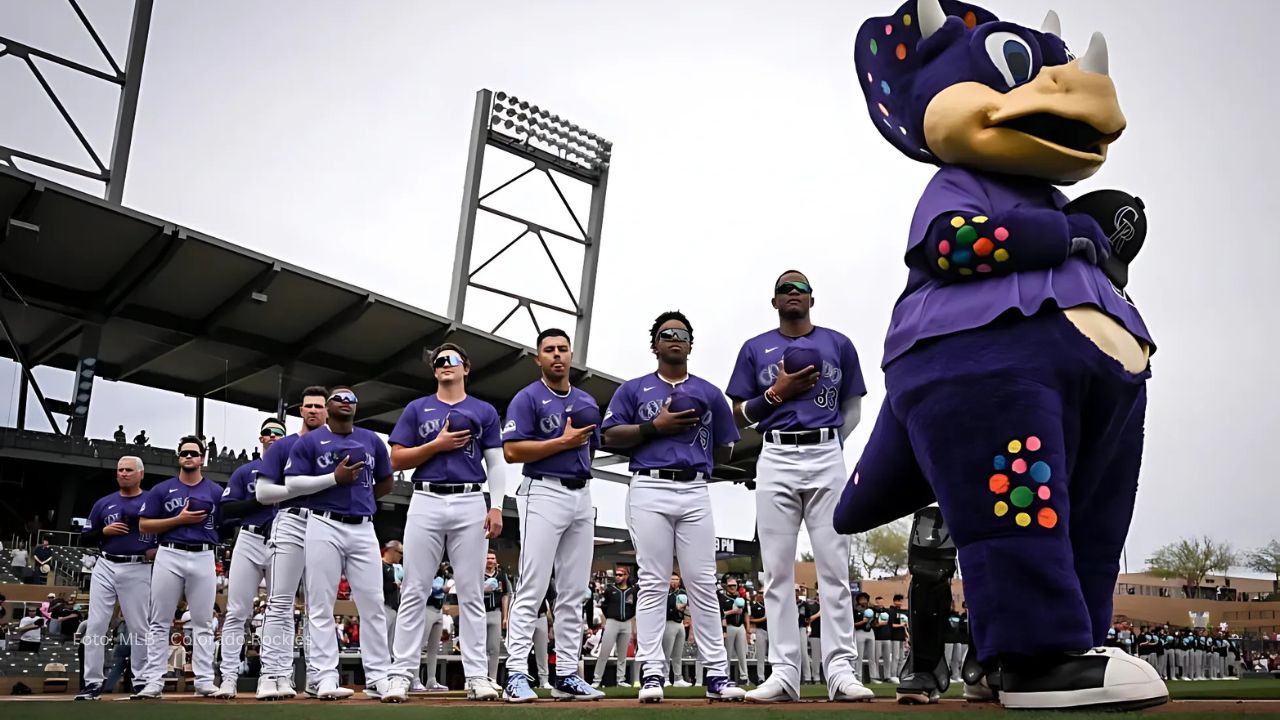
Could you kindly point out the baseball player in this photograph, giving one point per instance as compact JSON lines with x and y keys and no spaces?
{"x":863,"y":616}
{"x":619,"y":606}
{"x":758,"y":628}
{"x":733,"y":610}
{"x":673,"y":635}
{"x":676,"y":426}
{"x":287,"y":544}
{"x":250,"y":557}
{"x":805,"y":413}
{"x":497,"y":599}
{"x":444,"y":438}
{"x":182,"y":512}
{"x":541,"y":627}
{"x":435,"y":627}
{"x":123,"y":573}
{"x":344,"y":469}
{"x":552,"y":428}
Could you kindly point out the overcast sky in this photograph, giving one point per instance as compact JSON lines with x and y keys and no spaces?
{"x":334,"y":135}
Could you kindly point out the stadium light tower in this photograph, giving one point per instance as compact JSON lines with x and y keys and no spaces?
{"x":549,"y":142}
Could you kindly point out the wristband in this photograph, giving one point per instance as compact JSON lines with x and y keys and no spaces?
{"x":758,"y":408}
{"x":772,"y":396}
{"x":648,"y":430}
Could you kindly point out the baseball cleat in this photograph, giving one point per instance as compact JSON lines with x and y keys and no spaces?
{"x":328,"y":690}
{"x":227,"y":690}
{"x":518,"y":690}
{"x":651,"y":690}
{"x":206,"y":689}
{"x":770,"y":691}
{"x":722,"y":689}
{"x":573,"y":687}
{"x":482,"y":688}
{"x":90,"y":692}
{"x":150,"y":691}
{"x":850,"y":689}
{"x":393,"y":689}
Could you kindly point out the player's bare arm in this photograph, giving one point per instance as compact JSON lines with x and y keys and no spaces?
{"x":383,"y":486}
{"x":665,"y":423}
{"x":528,"y":451}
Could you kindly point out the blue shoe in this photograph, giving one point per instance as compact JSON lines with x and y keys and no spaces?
{"x":518,"y":690}
{"x":572,"y":687}
{"x":722,"y":688}
{"x":651,"y":689}
{"x":90,"y":692}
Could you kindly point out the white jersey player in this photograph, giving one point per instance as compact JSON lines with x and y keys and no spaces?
{"x":675,"y":426}
{"x":445,"y":438}
{"x":552,"y":427}
{"x":288,"y":556}
{"x":344,"y":469}
{"x":802,"y":387}
{"x":182,"y":512}
{"x":122,"y":573}
{"x":250,"y":556}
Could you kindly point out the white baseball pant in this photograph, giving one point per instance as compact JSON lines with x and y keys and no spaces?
{"x":250,"y":564}
{"x":436,"y":522}
{"x":288,"y":546}
{"x":435,"y":626}
{"x":557,"y":531}
{"x":815,"y":658}
{"x":884,"y":659}
{"x":955,"y":654}
{"x":735,"y":647}
{"x":673,"y":648}
{"x":762,"y":653}
{"x":795,"y":483}
{"x":615,"y":639}
{"x":335,"y":549}
{"x":669,"y":518}
{"x":493,"y":640}
{"x":175,"y":574}
{"x":130,"y":585}
{"x":865,"y":640}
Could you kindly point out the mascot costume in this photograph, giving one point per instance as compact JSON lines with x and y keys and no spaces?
{"x":1015,"y":363}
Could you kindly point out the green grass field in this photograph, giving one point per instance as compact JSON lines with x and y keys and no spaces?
{"x":365,"y":710}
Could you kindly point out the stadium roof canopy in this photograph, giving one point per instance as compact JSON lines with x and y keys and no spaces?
{"x":183,"y":311}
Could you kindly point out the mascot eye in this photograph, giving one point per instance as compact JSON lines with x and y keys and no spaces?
{"x":1011,"y":56}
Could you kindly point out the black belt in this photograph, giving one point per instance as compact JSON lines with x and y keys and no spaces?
{"x":800,"y":437}
{"x":190,"y":547}
{"x":440,"y":488}
{"x":126,"y":558}
{"x":258,"y":530}
{"x":684,"y":475}
{"x":344,"y":519}
{"x":568,"y":483}
{"x":299,"y":511}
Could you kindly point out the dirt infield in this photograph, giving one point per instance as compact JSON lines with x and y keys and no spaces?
{"x":455,"y":700}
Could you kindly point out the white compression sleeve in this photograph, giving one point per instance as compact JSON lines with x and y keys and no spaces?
{"x":496,"y":473}
{"x":269,"y":493}
{"x":852,"y":412}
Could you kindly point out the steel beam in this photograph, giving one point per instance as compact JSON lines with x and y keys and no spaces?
{"x":122,"y":142}
{"x":590,"y":261}
{"x":470,"y":201}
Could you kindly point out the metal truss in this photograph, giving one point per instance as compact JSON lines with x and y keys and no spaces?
{"x":129,"y":80}
{"x":549,"y":143}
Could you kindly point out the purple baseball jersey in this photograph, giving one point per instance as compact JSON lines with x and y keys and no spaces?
{"x":116,"y":508}
{"x":640,"y":400}
{"x":320,"y":451}
{"x":538,"y":413}
{"x":271,"y":469}
{"x":930,"y":307}
{"x":423,"y":419}
{"x":242,"y":485}
{"x":168,"y":498}
{"x":840,"y":379}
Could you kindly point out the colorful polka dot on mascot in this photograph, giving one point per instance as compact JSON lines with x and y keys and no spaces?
{"x":1015,"y":363}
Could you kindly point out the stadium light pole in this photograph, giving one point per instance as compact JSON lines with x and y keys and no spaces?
{"x":554,"y":147}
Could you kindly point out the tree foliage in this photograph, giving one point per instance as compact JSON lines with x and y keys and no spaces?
{"x":1191,"y":559}
{"x":882,"y":551}
{"x":1266,"y":559}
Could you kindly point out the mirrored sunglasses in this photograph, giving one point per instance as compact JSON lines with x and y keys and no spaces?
{"x":675,"y":335}
{"x":799,"y":286}
{"x":190,"y":454}
{"x":447,"y":361}
{"x":344,"y":396}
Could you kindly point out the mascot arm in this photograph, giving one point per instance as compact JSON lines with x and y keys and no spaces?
{"x":1015,"y":241}
{"x":887,"y":483}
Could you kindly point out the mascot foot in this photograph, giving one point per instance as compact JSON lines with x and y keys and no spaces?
{"x":918,"y":688}
{"x":1099,"y":678}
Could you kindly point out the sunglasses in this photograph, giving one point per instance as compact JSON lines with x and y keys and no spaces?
{"x":273,"y":432}
{"x":447,"y":361}
{"x":190,"y":454}
{"x":344,"y":396}
{"x":675,"y":335}
{"x":789,"y":286}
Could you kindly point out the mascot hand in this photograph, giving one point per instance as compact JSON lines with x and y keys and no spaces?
{"x":1087,"y":238}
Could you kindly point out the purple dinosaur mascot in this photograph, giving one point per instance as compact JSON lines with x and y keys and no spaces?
{"x":1015,"y":365}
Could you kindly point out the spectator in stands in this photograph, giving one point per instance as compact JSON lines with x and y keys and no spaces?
{"x":4,"y":621}
{"x":177,"y":655}
{"x":255,"y":455}
{"x":213,"y":448}
{"x":141,"y":438}
{"x":18,"y":560}
{"x":243,"y":456}
{"x":63,"y":619}
{"x":226,"y":455}
{"x":344,"y":588}
{"x":119,"y":436}
{"x":29,"y":631}
{"x":43,"y":555}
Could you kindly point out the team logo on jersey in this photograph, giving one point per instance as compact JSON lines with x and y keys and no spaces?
{"x":174,"y":503}
{"x":110,"y":519}
{"x":333,"y":459}
{"x":510,"y":427}
{"x":551,"y":423}
{"x":704,"y":436}
{"x":650,"y":410}
{"x":430,"y":428}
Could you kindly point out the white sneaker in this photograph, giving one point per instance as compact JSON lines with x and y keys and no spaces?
{"x":436,"y":687}
{"x":284,"y":688}
{"x":393,"y":689}
{"x":894,"y":680}
{"x":152,"y":691}
{"x":682,"y":683}
{"x":482,"y":688}
{"x":328,"y":690}
{"x":227,"y":690}
{"x":417,"y":688}
{"x":771,"y":691}
{"x":207,"y":689}
{"x":1101,"y":677}
{"x":850,"y":689}
{"x":597,"y":684}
